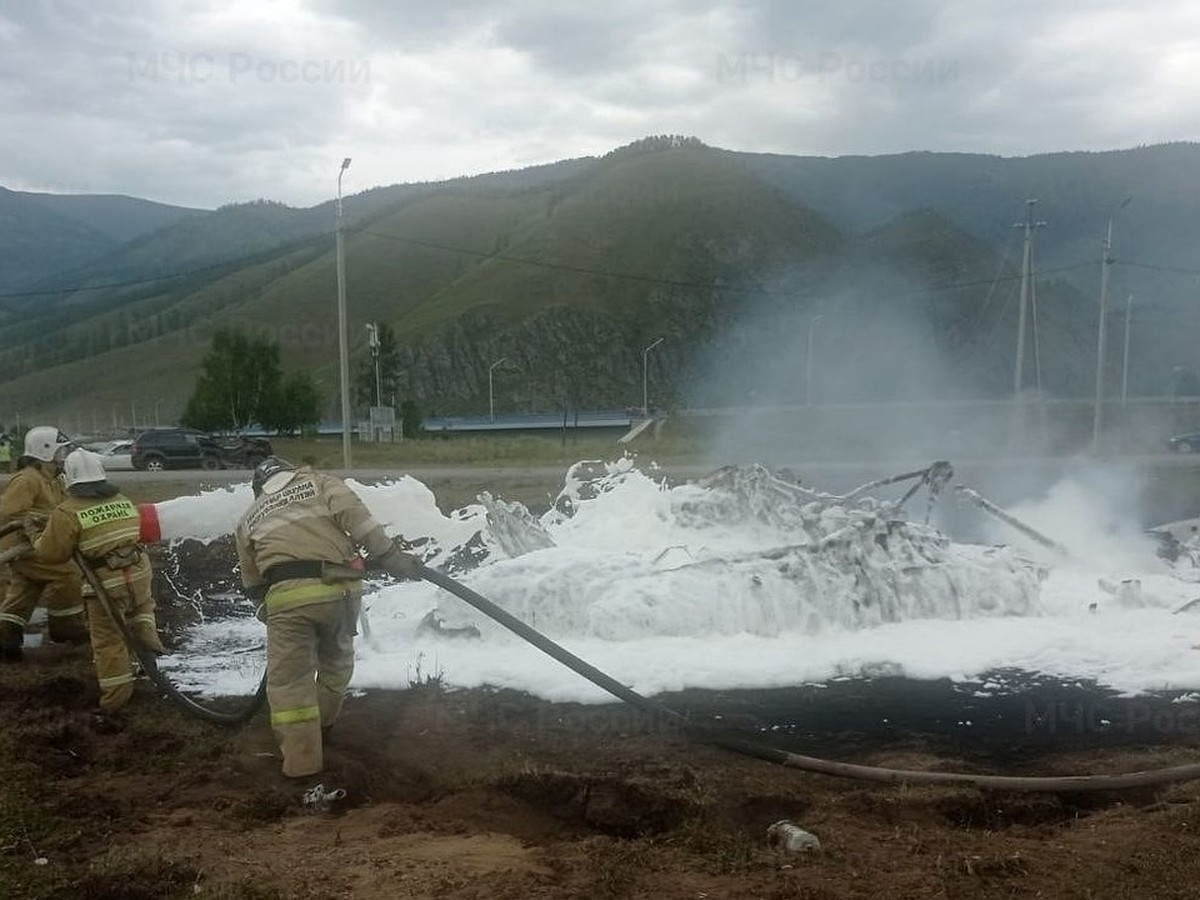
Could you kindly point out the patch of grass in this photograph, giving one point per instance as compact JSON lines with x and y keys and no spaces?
{"x":262,"y":805}
{"x":618,"y":866}
{"x":675,"y":443}
{"x":30,"y":830}
{"x":134,"y":876}
{"x":722,"y":850}
{"x":244,"y":890}
{"x":431,"y":682}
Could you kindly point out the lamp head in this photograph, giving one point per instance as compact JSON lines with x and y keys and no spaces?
{"x":345,"y":164}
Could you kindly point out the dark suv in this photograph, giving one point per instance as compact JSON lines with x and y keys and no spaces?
{"x":175,"y":448}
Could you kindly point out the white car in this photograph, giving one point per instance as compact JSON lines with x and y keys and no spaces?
{"x":117,"y":456}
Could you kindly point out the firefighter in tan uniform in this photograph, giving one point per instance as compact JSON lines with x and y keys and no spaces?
{"x":32,"y":493}
{"x":297,"y":547}
{"x":103,"y":525}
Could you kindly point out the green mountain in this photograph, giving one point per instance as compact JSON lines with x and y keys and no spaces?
{"x":44,"y":234}
{"x":903,"y":269}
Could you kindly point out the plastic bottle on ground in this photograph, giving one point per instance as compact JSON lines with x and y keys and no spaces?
{"x":790,"y":837}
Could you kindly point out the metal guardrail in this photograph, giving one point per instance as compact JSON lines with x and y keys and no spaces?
{"x":531,"y":421}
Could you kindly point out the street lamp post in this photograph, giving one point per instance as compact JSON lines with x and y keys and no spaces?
{"x":1102,"y":331}
{"x":645,"y":377}
{"x":491,"y":389}
{"x":808,"y":362}
{"x":343,"y":347}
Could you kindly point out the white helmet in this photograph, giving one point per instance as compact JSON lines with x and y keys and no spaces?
{"x":83,"y":467}
{"x":44,"y":442}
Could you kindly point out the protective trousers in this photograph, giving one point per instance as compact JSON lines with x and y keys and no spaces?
{"x":310,"y":659}
{"x":57,"y":586}
{"x":132,"y":600}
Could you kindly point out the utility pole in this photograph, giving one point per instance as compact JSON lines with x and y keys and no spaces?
{"x":343,"y":345}
{"x":1125,"y":356}
{"x":1026,"y":268}
{"x":1106,"y":261}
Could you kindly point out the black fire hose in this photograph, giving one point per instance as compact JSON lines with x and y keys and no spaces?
{"x":660,"y":712}
{"x":1046,"y":784}
{"x":149,"y":662}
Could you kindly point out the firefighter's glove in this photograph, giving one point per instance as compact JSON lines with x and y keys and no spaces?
{"x":32,"y":528}
{"x":401,"y":565}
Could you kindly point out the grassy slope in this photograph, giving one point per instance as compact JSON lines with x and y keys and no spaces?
{"x":622,"y":214}
{"x":684,"y":215}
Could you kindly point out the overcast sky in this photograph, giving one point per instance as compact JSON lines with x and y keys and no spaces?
{"x":205,"y":103}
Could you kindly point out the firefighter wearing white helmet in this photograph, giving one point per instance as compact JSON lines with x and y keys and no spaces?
{"x":32,"y":493}
{"x":297,"y":547}
{"x":104,"y":526}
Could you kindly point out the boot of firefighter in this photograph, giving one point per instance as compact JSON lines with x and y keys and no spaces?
{"x":64,"y":608}
{"x":12,"y":636}
{"x":70,"y":629}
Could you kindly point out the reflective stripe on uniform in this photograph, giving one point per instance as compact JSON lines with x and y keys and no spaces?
{"x":114,"y":583}
{"x":144,"y":618}
{"x":16,"y":620}
{"x":111,"y":539}
{"x":295,"y":716}
{"x":63,"y":613}
{"x":305,"y":592}
{"x":116,"y":680}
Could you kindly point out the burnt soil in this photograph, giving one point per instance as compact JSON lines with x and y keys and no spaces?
{"x":495,"y":794}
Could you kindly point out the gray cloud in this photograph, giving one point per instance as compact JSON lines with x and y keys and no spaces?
{"x":219,"y":101}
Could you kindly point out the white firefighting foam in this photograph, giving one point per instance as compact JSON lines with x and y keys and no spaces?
{"x":739,"y":580}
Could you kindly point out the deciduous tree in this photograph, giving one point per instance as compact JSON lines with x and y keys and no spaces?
{"x":240,"y":378}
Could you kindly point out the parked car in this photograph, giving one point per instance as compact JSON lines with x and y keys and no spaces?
{"x":117,"y":456}
{"x":175,"y":448}
{"x":1185,"y":443}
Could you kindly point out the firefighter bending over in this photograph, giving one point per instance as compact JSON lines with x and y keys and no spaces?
{"x":33,"y":492}
{"x":297,"y":547}
{"x":104,"y":526}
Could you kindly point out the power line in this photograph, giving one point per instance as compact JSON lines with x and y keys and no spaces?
{"x":694,"y":285}
{"x":1172,"y":269}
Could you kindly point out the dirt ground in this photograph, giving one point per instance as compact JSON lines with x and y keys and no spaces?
{"x":494,"y":794}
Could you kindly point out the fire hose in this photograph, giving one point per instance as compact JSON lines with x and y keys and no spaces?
{"x":149,"y":662}
{"x":660,"y":712}
{"x":147,"y":658}
{"x":707,"y":735}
